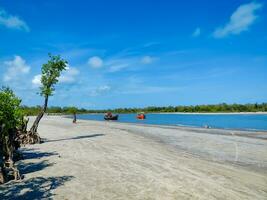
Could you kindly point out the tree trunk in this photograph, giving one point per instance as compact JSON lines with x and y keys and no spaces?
{"x":33,"y":131}
{"x":36,"y":122}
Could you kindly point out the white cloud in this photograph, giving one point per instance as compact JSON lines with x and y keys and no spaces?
{"x":16,"y":67}
{"x":240,"y":20}
{"x":12,"y":22}
{"x":100,"y":90}
{"x":36,"y":81}
{"x":95,"y":62}
{"x":197,"y":32}
{"x":147,"y":60}
{"x":69,"y":76}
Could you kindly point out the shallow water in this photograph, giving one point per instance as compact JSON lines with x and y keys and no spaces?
{"x":225,"y":121}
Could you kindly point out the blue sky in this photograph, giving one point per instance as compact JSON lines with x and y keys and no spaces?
{"x":137,"y":53}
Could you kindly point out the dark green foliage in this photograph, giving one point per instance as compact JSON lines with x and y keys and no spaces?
{"x":72,"y":110}
{"x":11,"y":113}
{"x":153,"y":109}
{"x":50,"y":74}
{"x":11,"y":123}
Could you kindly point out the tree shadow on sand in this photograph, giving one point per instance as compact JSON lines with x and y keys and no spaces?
{"x":26,"y":168}
{"x":76,"y":138}
{"x":35,"y":154}
{"x":29,"y":167}
{"x":34,"y":188}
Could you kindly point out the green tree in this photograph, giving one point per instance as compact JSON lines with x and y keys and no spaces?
{"x":11,"y":117}
{"x":50,"y":73}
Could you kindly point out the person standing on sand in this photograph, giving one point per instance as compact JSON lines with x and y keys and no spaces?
{"x":74,"y":118}
{"x":73,"y":111}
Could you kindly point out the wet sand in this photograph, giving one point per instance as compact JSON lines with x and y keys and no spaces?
{"x":109,"y":160}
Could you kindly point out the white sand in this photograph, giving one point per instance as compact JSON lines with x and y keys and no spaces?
{"x":106,"y":160}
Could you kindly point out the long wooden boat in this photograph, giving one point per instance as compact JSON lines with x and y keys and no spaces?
{"x":112,"y":117}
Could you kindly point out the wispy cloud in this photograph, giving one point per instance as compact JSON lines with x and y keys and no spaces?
{"x":100,"y":90}
{"x":118,"y":63}
{"x":118,"y":67}
{"x":12,"y":22}
{"x":121,"y":62}
{"x":147,"y":60}
{"x":240,"y":20}
{"x":149,"y":89}
{"x":16,"y":68}
{"x":143,"y":85}
{"x":196,"y":32}
{"x":69,"y":76}
{"x":95,"y":62}
{"x":150,"y":44}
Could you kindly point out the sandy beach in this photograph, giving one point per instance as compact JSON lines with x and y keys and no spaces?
{"x":109,"y":160}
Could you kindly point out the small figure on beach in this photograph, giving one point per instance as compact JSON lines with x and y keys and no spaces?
{"x":207,"y":126}
{"x":74,"y":118}
{"x":73,"y":111}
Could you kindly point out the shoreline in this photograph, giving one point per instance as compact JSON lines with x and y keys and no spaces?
{"x":178,"y":113}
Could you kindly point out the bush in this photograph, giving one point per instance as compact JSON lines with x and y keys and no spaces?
{"x":10,"y":112}
{"x":11,"y":119}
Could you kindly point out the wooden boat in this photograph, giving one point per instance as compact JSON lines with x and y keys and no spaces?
{"x":109,"y":116}
{"x":141,"y":116}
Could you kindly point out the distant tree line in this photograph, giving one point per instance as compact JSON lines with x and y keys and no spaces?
{"x":262,"y":107}
{"x":34,"y":110}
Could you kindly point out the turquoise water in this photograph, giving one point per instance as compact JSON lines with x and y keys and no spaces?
{"x":226,"y":121}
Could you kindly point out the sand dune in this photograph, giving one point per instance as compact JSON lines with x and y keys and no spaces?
{"x":105,"y":160}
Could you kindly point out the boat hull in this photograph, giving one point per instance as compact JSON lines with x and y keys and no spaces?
{"x":115,"y":117}
{"x":141,"y":117}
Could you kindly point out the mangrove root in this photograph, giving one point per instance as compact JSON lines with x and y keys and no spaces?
{"x":28,"y":138}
